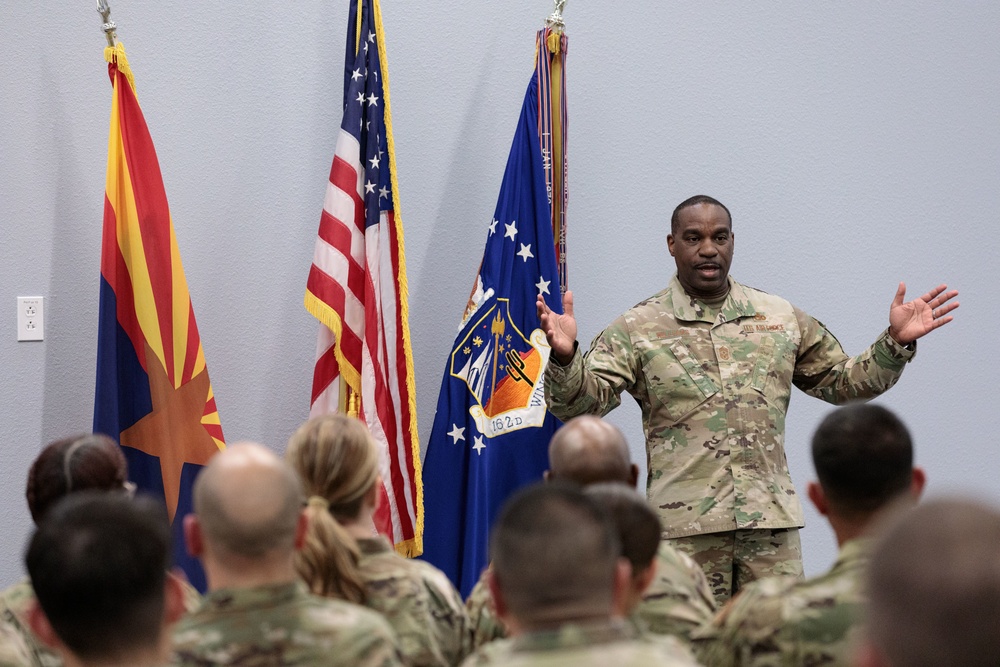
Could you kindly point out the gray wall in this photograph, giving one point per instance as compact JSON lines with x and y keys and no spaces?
{"x":857,"y":145}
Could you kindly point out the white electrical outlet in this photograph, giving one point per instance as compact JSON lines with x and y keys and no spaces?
{"x":30,"y":318}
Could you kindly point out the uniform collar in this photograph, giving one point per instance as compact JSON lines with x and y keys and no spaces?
{"x":736,"y":305}
{"x":575,"y":635}
{"x":374,"y":545}
{"x":854,"y":551}
{"x":226,"y":599}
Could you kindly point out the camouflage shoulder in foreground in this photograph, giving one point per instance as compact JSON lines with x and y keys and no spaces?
{"x":679,"y":600}
{"x":14,"y":652}
{"x":483,"y":622}
{"x":783,"y":621}
{"x":613,"y":643}
{"x":420,"y":603}
{"x":14,"y":605}
{"x":282,"y":625}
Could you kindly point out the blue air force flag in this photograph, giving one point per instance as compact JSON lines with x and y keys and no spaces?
{"x":492,"y":428}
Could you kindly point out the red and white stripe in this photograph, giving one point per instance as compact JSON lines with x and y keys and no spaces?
{"x":355,"y":273}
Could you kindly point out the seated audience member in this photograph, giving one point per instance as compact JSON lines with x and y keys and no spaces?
{"x":247,"y":524}
{"x":98,"y":563}
{"x":639,"y":532}
{"x":934,"y":589}
{"x":344,"y":557}
{"x":589,"y":450}
{"x":80,"y":463}
{"x":864,"y":463}
{"x":558,"y":583}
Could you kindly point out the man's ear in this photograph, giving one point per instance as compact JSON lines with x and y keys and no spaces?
{"x":40,"y":625}
{"x":867,"y":655}
{"x":670,"y":244}
{"x":642,"y":581}
{"x":633,"y":475}
{"x":192,"y":536}
{"x":174,"y":596}
{"x":499,"y":601}
{"x":818,"y":498}
{"x":622,"y":588}
{"x":918,"y":482}
{"x":547,"y":476}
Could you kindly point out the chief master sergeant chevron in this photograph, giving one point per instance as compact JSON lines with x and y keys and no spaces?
{"x":711,"y":363}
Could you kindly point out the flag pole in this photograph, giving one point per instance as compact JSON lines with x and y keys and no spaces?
{"x":107,"y":25}
{"x":553,"y":78}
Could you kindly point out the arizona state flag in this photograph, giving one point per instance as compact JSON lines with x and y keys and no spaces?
{"x":153,"y":394}
{"x":492,"y":426}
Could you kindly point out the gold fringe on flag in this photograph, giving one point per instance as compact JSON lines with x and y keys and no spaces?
{"x":413,"y":547}
{"x":116,"y":56}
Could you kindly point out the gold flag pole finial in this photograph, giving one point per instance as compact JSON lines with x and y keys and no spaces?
{"x":108,"y":26}
{"x":555,"y":19}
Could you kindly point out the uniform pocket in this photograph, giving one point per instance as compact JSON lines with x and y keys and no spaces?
{"x":676,"y":382}
{"x":771,"y":377}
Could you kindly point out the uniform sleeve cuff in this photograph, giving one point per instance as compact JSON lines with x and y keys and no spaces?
{"x":899,"y":352}
{"x":560,"y":373}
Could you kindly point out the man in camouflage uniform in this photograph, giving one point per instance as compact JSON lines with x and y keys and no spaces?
{"x":558,"y":582}
{"x":99,"y":566}
{"x":711,"y":363}
{"x":669,"y":595}
{"x":248,"y":521}
{"x":16,"y":602}
{"x":588,"y":450}
{"x":864,"y":462}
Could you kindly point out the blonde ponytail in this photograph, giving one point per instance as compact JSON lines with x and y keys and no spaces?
{"x":328,"y":561}
{"x":337,"y":461}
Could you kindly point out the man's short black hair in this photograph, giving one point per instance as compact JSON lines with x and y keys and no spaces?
{"x":555,"y":553}
{"x":863,"y":457}
{"x":98,"y":564}
{"x":698,"y":199}
{"x":639,"y":527}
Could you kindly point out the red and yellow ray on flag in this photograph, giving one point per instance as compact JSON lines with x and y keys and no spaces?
{"x":172,"y":414}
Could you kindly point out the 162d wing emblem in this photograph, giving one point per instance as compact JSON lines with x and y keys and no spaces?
{"x":503,"y":370}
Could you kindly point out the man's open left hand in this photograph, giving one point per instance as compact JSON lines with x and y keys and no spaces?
{"x":910,"y":320}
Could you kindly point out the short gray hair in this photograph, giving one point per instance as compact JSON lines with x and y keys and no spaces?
{"x":248,"y":501}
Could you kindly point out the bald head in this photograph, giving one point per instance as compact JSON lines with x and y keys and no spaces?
{"x":248,"y":502}
{"x":589,"y":450}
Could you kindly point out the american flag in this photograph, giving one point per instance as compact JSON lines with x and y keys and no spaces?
{"x":357,"y":285}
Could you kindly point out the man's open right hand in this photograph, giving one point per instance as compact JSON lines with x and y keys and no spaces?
{"x":560,"y":330}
